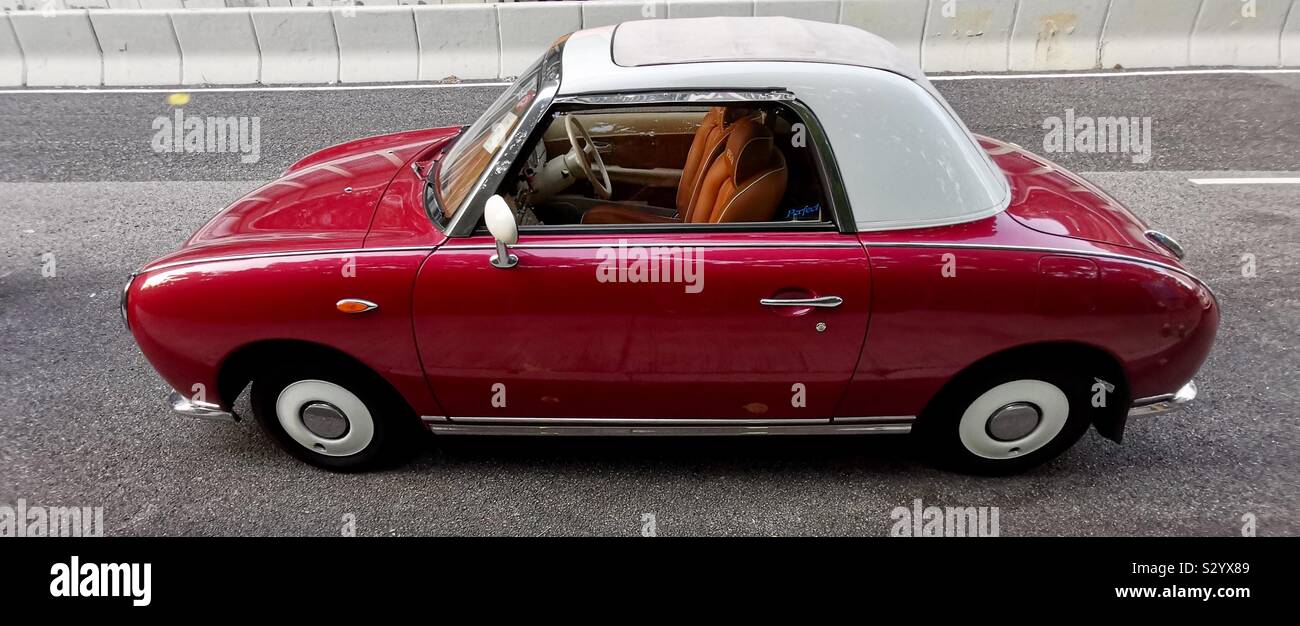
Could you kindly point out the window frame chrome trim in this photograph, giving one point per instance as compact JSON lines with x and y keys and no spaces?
{"x":792,"y":226}
{"x":461,"y":225}
{"x":828,"y":168}
{"x":663,"y":244}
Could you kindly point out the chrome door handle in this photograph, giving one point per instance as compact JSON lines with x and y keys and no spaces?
{"x":824,"y":302}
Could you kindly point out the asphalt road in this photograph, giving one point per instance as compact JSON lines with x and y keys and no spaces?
{"x":82,"y":421}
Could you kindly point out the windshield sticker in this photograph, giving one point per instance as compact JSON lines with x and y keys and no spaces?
{"x":499,"y":131}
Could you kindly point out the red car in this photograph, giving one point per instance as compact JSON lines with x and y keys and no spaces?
{"x":682,"y":227}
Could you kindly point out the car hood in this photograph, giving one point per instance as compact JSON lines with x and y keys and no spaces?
{"x":324,"y":201}
{"x":1050,"y":199}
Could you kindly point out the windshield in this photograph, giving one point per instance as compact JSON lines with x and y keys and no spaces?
{"x":470,"y":156}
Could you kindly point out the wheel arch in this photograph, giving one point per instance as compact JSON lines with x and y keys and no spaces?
{"x":243,"y":364}
{"x":1109,"y":367}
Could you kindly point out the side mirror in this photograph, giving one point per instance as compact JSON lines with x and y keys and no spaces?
{"x":501,"y":223}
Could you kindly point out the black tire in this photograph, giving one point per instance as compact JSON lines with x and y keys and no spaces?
{"x":393,"y":425}
{"x":941,"y":431}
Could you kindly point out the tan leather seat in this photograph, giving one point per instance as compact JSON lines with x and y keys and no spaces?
{"x":745,"y":183}
{"x":712,"y":131}
{"x":708,"y":138}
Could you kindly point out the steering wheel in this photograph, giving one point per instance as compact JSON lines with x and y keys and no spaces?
{"x":585,"y":156}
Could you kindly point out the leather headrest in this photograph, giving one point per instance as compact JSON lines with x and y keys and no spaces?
{"x":731,"y":114}
{"x":750,"y":149}
{"x":715,"y":116}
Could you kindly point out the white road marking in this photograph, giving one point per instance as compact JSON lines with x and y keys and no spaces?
{"x":1244,"y":181}
{"x":1105,"y":74}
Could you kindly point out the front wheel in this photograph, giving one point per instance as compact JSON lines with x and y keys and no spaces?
{"x":330,"y":417}
{"x":1008,"y":421}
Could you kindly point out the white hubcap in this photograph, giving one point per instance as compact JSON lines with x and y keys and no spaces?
{"x":1013,"y":402}
{"x":314,"y":399}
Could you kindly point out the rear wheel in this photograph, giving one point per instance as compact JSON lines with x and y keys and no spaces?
{"x":1007,"y":420}
{"x":333,"y":416}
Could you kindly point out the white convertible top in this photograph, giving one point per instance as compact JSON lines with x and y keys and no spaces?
{"x":905,"y":159}
{"x":657,"y":42}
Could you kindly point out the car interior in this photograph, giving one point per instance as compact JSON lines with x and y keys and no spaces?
{"x":663,"y":165}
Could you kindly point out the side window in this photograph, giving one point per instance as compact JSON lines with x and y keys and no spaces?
{"x":681,"y":165}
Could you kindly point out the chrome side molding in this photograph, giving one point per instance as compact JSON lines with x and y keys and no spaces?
{"x":202,"y":410}
{"x":1164,"y":403}
{"x":610,"y":427}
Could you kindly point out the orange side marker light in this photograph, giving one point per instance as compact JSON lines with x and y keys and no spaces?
{"x":354,"y":305}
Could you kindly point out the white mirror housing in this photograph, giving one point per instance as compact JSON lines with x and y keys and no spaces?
{"x":500,"y":221}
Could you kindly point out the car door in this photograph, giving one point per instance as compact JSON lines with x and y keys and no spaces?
{"x":747,"y":325}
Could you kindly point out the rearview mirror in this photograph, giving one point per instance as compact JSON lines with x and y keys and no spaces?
{"x":501,"y":223}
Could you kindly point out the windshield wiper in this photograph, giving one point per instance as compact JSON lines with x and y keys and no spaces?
{"x":430,"y":194}
{"x":431,"y":205}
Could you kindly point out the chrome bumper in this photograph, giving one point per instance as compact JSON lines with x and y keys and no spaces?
{"x":1165,"y":403}
{"x":121,"y":301}
{"x":201,"y":410}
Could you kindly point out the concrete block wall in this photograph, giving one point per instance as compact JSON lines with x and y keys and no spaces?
{"x":198,"y":42}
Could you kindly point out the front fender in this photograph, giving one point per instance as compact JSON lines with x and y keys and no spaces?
{"x":189,"y":319}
